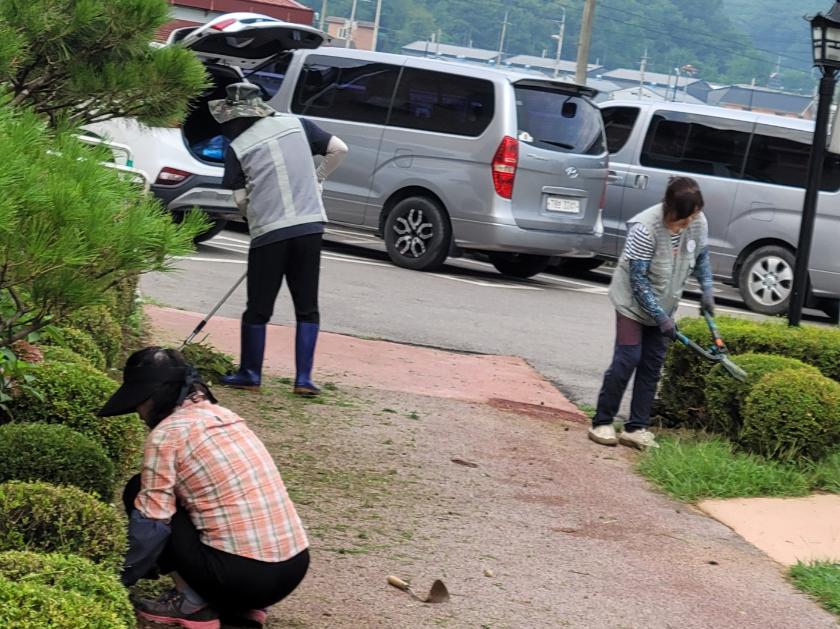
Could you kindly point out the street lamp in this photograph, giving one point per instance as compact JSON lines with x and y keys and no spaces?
{"x":825,"y":31}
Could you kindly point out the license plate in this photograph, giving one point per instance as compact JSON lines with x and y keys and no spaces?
{"x":559,"y":204}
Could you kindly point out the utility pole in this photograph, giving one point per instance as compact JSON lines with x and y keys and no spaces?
{"x":376,"y":20}
{"x":502,"y":38}
{"x":642,"y":69}
{"x":323,"y":15}
{"x":585,"y":41}
{"x":559,"y":37}
{"x":352,"y":28}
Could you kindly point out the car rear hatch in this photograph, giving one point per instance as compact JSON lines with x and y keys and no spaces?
{"x":248,"y":40}
{"x":561,"y":170}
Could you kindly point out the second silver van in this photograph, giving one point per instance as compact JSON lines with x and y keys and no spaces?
{"x":752,"y":170}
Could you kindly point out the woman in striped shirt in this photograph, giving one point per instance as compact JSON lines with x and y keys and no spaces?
{"x":666,"y":244}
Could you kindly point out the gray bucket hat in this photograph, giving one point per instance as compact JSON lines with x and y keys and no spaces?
{"x":244,"y":100}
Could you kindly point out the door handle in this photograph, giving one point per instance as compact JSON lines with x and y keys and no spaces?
{"x":614,"y":179}
{"x":640,"y":182}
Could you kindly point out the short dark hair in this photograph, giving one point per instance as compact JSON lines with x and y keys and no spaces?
{"x":167,"y":395}
{"x":682,"y":198}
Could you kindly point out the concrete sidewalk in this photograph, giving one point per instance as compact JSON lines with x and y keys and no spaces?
{"x":574,"y":537}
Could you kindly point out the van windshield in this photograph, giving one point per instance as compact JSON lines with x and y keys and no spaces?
{"x":559,"y":121}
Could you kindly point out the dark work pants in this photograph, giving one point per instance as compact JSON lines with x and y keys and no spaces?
{"x":229,"y":583}
{"x":299,"y":261}
{"x":640,"y":349}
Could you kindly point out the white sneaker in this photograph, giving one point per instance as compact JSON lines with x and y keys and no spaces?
{"x":641,"y":439}
{"x":605,"y":435}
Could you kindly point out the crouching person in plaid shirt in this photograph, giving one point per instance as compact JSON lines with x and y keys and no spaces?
{"x":209,"y":507}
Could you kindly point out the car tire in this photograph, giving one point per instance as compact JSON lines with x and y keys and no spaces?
{"x":577,"y":265}
{"x":520,"y":265}
{"x":418,"y":234}
{"x":765,"y":279}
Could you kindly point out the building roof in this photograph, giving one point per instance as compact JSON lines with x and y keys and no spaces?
{"x":273,"y":8}
{"x":652,"y":93}
{"x":760,"y":98}
{"x":164,"y":31}
{"x":546,"y":63}
{"x":657,"y":78}
{"x":448,"y":50}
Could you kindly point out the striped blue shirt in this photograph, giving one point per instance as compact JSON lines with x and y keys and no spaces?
{"x":640,"y":244}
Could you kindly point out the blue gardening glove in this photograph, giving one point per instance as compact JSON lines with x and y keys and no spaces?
{"x":707,"y":301}
{"x":667,"y":326}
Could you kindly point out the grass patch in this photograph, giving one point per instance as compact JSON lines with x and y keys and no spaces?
{"x":337,"y":488}
{"x":695,"y":469}
{"x":821,"y":580}
{"x":825,"y":474}
{"x":587,"y":409}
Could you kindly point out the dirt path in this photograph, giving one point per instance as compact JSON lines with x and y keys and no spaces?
{"x":527,"y":523}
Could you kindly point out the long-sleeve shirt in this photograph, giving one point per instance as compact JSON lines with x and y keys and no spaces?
{"x":205,"y":458}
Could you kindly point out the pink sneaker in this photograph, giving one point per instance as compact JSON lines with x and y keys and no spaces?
{"x":171,"y":608}
{"x":252,"y":618}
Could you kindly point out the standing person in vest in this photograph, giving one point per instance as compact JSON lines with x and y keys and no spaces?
{"x":278,"y":189}
{"x":666,"y":244}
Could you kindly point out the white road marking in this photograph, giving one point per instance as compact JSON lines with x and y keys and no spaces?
{"x":229,"y":239}
{"x":369,"y":237}
{"x":200,"y":259}
{"x":484,"y":284}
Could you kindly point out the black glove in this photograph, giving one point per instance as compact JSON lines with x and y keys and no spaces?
{"x":668,"y":327}
{"x":707,"y":301}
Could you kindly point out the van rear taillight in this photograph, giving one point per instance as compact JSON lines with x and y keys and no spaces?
{"x":505,"y":162}
{"x":171,"y":176}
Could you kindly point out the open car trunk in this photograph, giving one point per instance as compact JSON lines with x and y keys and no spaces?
{"x":202,"y":134}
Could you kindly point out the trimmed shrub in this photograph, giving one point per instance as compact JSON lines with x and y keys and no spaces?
{"x":30,"y":606}
{"x":72,"y":394}
{"x":54,"y":454}
{"x":682,"y":398}
{"x":45,"y":518}
{"x":99,"y":323}
{"x":79,"y":342}
{"x":122,"y":300}
{"x":725,"y":395}
{"x":68,"y":573}
{"x":56,"y":354}
{"x":792,"y":414}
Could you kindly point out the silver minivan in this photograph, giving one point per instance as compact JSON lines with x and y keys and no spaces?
{"x":446,"y":157}
{"x":752,"y":170}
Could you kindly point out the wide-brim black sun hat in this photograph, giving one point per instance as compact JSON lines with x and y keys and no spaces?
{"x":139,"y":384}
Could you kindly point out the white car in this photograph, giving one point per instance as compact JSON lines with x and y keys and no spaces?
{"x":185,"y":163}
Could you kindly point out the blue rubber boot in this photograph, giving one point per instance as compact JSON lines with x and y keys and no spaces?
{"x":306,"y":337}
{"x":251,"y":355}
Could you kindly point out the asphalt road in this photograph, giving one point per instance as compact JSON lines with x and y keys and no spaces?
{"x":562,"y":325}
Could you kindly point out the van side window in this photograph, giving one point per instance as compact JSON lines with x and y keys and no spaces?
{"x":345,"y":89}
{"x":444,"y":103}
{"x":780,"y":156}
{"x":696,"y":144}
{"x":619,"y":123}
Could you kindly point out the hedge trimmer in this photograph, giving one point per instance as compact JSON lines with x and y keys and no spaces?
{"x":718,"y":352}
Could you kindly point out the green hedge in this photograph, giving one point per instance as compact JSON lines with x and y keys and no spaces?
{"x":54,"y":454}
{"x":100,"y":324}
{"x":68,"y":573}
{"x":72,"y":394}
{"x":31,"y":606}
{"x":725,"y":395}
{"x":122,"y":299}
{"x":56,"y":354}
{"x":45,"y":518}
{"x":682,"y":394}
{"x":792,"y":414}
{"x":76,"y":341}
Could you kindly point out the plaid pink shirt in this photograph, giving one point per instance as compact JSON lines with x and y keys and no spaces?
{"x":205,"y":457}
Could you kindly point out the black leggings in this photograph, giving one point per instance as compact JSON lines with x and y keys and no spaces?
{"x":299,"y":260}
{"x":229,"y":583}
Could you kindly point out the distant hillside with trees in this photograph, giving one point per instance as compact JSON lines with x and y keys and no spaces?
{"x":731,"y":41}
